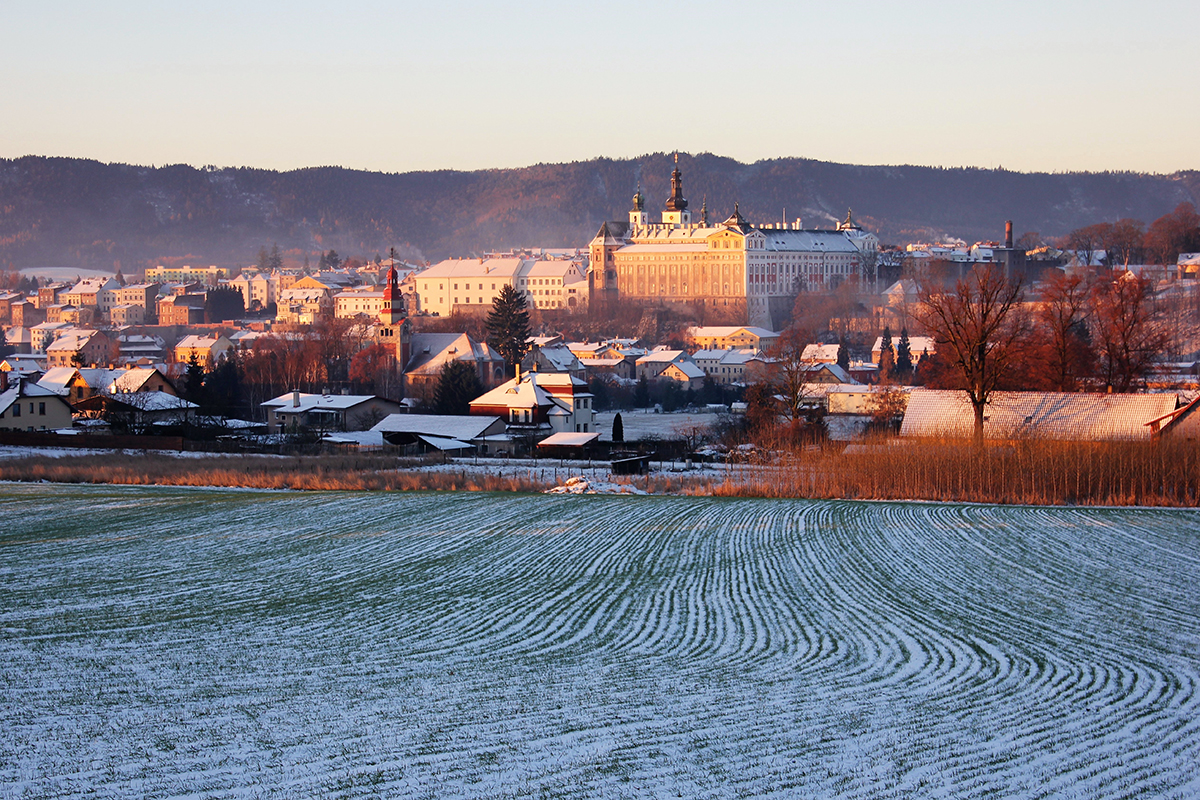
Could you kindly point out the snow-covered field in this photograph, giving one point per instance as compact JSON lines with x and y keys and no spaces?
{"x":220,"y":643}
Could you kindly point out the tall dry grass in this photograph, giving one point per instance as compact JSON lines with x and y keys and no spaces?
{"x":1035,"y":472}
{"x":338,"y":473}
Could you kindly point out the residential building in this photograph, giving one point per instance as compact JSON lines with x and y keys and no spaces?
{"x":28,"y":407}
{"x":726,"y":366}
{"x":432,"y":351}
{"x":537,"y":404}
{"x":127,"y":314}
{"x":181,"y":309}
{"x":443,"y":432}
{"x":470,"y":285}
{"x":75,"y":345}
{"x":92,"y":292}
{"x":142,"y":295}
{"x":208,"y":350}
{"x":258,"y":290}
{"x":918,"y":346}
{"x":328,"y":412}
{"x":715,"y":337}
{"x":209,"y":276}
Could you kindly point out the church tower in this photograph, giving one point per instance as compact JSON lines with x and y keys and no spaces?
{"x":392,"y":312}
{"x":677,"y":213}
{"x":637,"y":215}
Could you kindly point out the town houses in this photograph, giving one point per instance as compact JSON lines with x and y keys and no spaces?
{"x":681,"y":308}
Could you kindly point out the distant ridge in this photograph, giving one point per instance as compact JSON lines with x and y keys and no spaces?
{"x":68,"y":212}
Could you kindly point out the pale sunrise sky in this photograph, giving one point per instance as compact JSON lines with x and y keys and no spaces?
{"x":1031,"y":86}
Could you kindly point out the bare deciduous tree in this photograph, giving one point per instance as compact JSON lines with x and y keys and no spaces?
{"x":980,"y":328}
{"x":1126,"y":327}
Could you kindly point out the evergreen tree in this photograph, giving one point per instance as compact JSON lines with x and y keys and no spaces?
{"x":641,"y":395}
{"x":276,"y":258}
{"x":193,"y":381}
{"x":508,"y":326}
{"x":887,"y":355}
{"x":5,"y":349}
{"x":843,"y":357}
{"x":457,"y":386}
{"x":223,"y":388}
{"x":618,"y":431}
{"x":904,"y":364}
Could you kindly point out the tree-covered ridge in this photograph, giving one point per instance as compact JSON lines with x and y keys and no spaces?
{"x":77,"y":212}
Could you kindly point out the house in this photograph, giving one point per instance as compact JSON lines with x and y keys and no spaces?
{"x":1181,"y":424}
{"x":304,"y":304}
{"x":137,"y":412}
{"x":328,"y":412}
{"x":918,"y":347}
{"x":725,"y":337}
{"x":537,"y":404}
{"x":208,"y":350}
{"x":820,"y":353}
{"x":725,"y":366}
{"x":75,"y":345}
{"x":28,"y":407}
{"x":78,"y":384}
{"x":445,"y":432}
{"x":24,"y":365}
{"x":654,"y":363}
{"x":432,"y":351}
{"x":1061,"y":416}
{"x":553,"y":358}
{"x":181,"y":309}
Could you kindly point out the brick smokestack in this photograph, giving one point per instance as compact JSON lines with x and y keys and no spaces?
{"x":1008,"y":234}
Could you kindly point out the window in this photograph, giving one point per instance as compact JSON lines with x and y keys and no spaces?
{"x":41,"y":409}
{"x":16,"y":409}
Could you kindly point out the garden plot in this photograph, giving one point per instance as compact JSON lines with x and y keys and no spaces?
{"x":221,"y":643}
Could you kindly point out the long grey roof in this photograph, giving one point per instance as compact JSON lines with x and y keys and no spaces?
{"x":1044,"y":415}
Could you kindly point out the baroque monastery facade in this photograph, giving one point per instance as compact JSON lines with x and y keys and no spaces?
{"x":739,"y":271}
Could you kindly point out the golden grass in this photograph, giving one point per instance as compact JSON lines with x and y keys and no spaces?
{"x":1022,"y":472}
{"x":308,"y":473}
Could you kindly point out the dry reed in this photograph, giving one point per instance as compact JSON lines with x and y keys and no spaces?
{"x":308,"y":473}
{"x":1036,"y":472}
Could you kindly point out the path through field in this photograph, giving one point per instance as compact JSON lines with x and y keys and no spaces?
{"x":217,"y":643}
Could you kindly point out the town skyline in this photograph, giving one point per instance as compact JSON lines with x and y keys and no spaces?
{"x":480,"y":86}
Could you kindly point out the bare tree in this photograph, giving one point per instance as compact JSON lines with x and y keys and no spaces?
{"x":1126,"y":326}
{"x":1061,"y":318}
{"x":980,"y":328}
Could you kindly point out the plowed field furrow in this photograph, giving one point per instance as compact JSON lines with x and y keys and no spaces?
{"x":194,"y":643}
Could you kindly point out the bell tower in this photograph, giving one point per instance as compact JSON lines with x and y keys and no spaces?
{"x":677,"y":213}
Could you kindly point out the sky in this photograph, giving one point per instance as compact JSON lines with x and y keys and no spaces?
{"x":399,"y":86}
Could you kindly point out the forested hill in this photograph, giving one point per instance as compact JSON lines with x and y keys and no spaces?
{"x":81,"y":213}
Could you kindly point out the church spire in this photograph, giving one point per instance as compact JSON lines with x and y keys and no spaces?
{"x":676,"y":202}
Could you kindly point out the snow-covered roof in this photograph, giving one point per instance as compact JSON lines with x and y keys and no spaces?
{"x":194,"y":342}
{"x":1046,"y":415}
{"x":568,"y":439}
{"x":22,"y":390}
{"x":465,"y":427}
{"x":318,"y":402}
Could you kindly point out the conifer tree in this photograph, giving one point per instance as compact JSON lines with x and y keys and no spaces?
{"x":887,"y":355}
{"x":508,"y":326}
{"x":843,"y":356}
{"x":618,"y":430}
{"x":457,"y":386}
{"x":904,"y":363}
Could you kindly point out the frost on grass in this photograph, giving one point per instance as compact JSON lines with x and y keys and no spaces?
{"x":215,"y":643}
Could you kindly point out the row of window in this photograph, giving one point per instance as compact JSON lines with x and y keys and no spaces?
{"x":16,"y":410}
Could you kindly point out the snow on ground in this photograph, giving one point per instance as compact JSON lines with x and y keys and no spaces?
{"x":640,"y":423}
{"x":581,"y":485}
{"x":222,"y":643}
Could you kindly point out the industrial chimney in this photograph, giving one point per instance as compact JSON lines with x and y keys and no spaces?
{"x":1008,"y":234}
